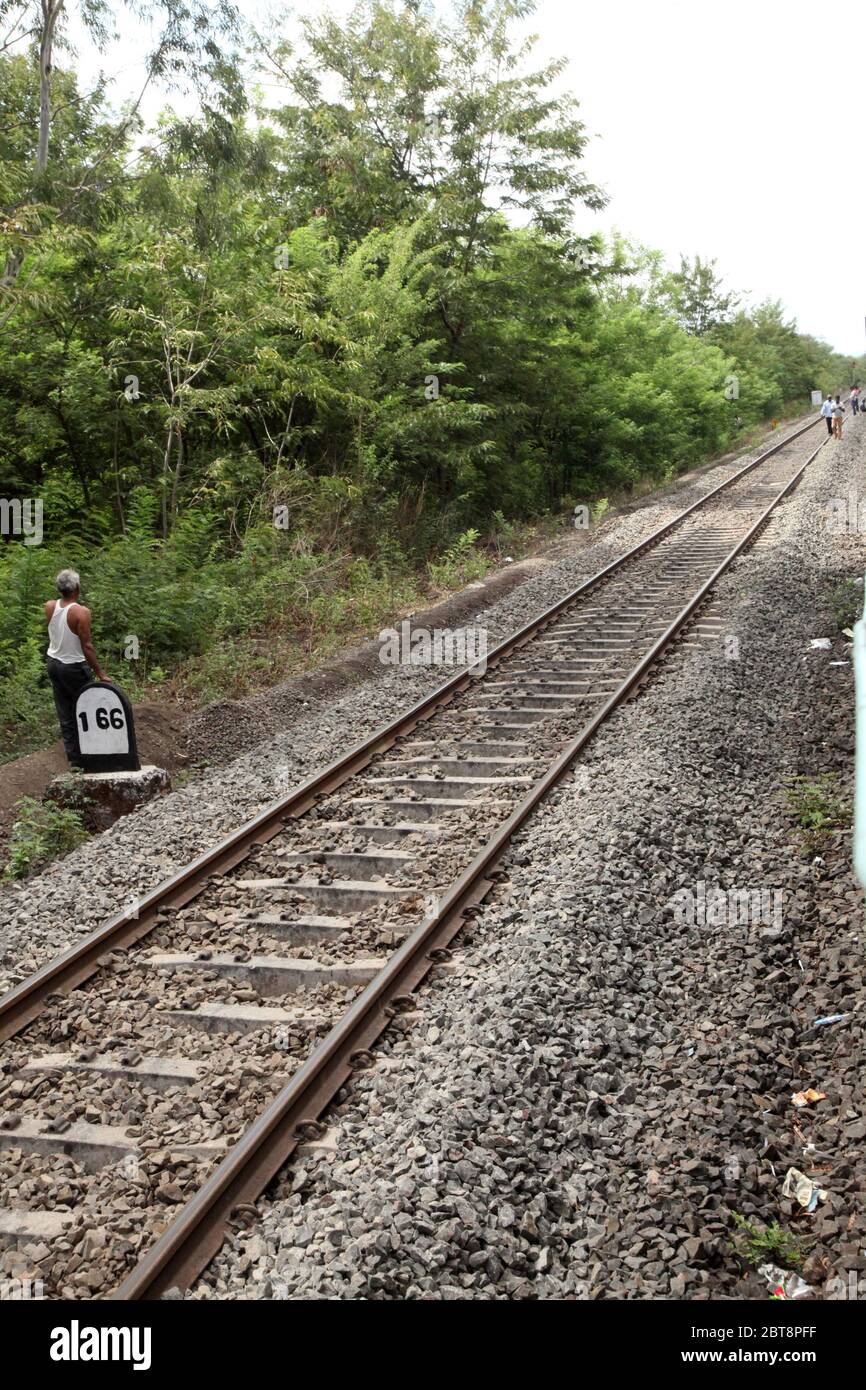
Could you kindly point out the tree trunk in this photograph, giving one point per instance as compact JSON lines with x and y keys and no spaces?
{"x":177,"y":471}
{"x":50,"y":15}
{"x":165,"y":465}
{"x":118,"y":497}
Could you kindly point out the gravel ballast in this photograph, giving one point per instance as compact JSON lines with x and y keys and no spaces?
{"x":596,"y":1083}
{"x":43,"y":915}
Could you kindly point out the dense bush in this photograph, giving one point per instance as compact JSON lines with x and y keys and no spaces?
{"x":40,"y":832}
{"x":268,"y":370}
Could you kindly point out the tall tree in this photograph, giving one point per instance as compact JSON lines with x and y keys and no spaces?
{"x":697,"y":297}
{"x":186,"y":46}
{"x":429,"y":113}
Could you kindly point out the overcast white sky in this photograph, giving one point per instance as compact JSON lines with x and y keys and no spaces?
{"x":727,"y":130}
{"x":730,"y":130}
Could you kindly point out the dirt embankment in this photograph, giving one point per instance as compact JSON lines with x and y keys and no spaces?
{"x":160,"y":733}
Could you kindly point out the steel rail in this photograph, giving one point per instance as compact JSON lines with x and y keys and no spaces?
{"x":20,"y":1005}
{"x":191,"y":1240}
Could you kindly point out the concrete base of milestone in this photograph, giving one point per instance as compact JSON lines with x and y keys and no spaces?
{"x":103,"y":797}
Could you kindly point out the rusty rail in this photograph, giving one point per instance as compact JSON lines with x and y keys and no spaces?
{"x":190,"y":1241}
{"x":25,"y":1001}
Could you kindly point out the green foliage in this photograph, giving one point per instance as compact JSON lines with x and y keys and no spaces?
{"x":504,"y":535}
{"x":818,"y":809}
{"x":364,"y":308}
{"x":757,"y":1245}
{"x":28,"y":719}
{"x":460,"y":563}
{"x":696,"y":296}
{"x":846,"y":604}
{"x":41,"y":831}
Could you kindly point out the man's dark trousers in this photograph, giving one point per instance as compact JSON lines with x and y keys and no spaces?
{"x":67,"y":678}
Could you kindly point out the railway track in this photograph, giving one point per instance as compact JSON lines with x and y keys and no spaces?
{"x":159,"y":1073}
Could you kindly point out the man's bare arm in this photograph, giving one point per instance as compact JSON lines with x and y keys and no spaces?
{"x":80,"y":624}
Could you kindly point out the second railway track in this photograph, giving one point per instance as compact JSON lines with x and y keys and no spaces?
{"x":159,"y":1073}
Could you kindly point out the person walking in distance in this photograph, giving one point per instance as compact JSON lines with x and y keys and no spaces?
{"x":71,"y":657}
{"x":838,"y":412}
{"x":827,"y":412}
{"x":855,"y":399}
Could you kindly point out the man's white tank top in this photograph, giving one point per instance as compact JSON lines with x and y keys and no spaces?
{"x":64,"y":644}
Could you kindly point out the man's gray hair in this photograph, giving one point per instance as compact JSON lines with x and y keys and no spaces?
{"x":68,"y":581}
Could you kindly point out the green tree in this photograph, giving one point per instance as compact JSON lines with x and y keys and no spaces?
{"x":697,"y":298}
{"x":43,"y":198}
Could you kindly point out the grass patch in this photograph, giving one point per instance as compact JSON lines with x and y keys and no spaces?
{"x":818,"y":810}
{"x":41,"y":832}
{"x":845,"y":602}
{"x":460,"y":563}
{"x":756,"y":1245}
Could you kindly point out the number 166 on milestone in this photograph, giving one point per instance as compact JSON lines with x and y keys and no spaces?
{"x":105,"y":729}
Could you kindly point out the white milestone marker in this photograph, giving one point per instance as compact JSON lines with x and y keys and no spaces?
{"x":106,"y":737}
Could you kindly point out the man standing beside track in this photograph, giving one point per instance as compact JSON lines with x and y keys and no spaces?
{"x":70,"y":649}
{"x":838,"y":412}
{"x":827,"y":412}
